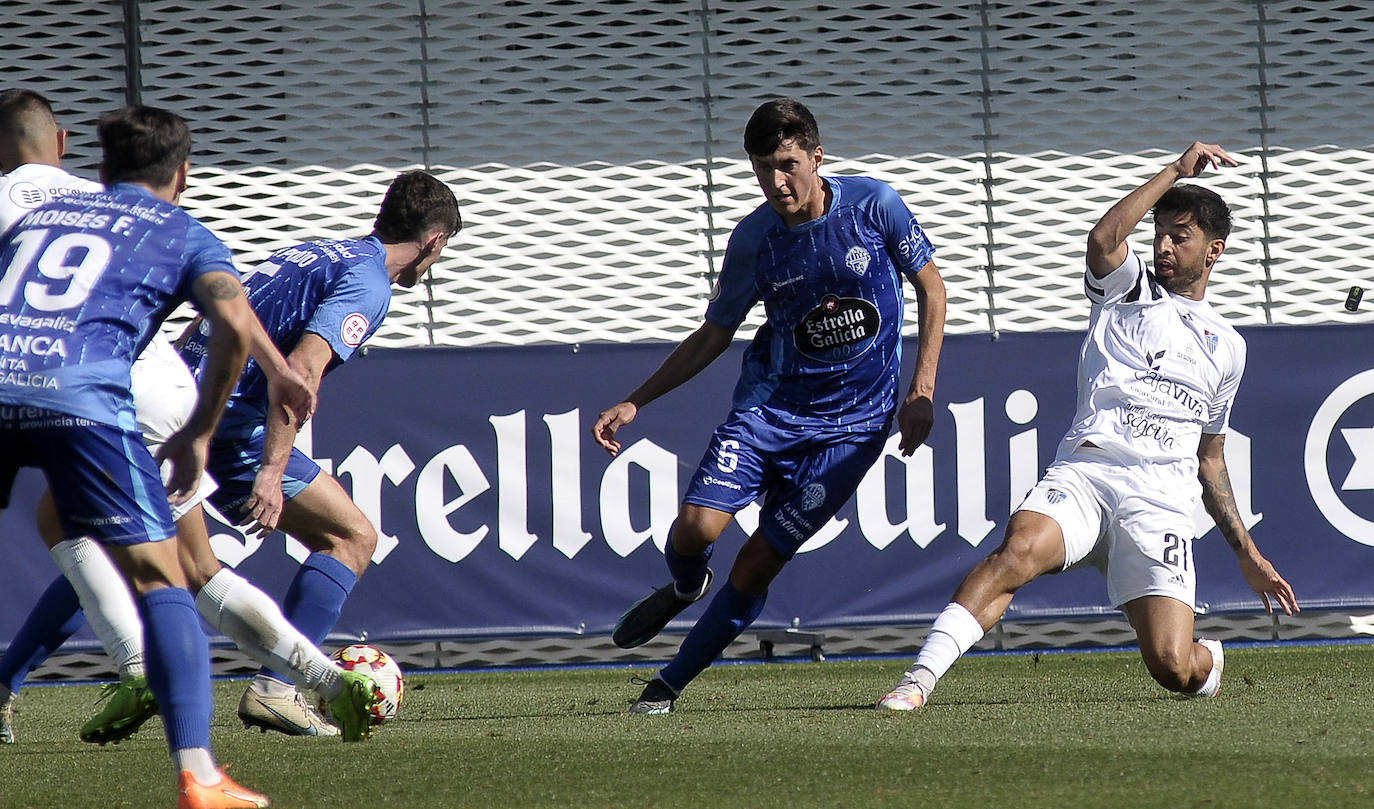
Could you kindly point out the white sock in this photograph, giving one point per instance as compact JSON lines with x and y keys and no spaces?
{"x":1211,"y":686}
{"x":106,"y":600}
{"x":254,"y":621}
{"x":953,"y":633}
{"x":201,"y":764}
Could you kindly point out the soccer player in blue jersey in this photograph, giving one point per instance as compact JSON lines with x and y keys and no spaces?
{"x":817,"y":392}
{"x":319,"y":302}
{"x":84,"y":283}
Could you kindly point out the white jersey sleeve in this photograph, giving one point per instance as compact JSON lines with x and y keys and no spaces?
{"x":1130,"y":281}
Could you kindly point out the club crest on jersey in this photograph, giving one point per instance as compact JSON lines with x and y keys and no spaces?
{"x":857,"y":260}
{"x":1210,"y":340}
{"x":353,"y":330}
{"x":838,"y":329}
{"x":1054,"y":497}
{"x":813,"y":496}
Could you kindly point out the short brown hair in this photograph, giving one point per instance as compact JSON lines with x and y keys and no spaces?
{"x":417,"y":203}
{"x":142,"y":145}
{"x":778,"y":121}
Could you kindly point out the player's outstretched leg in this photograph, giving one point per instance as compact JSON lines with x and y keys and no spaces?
{"x":954,"y":632}
{"x":56,"y":617}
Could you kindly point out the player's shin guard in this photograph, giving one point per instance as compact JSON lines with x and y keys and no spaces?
{"x":106,"y":599}
{"x":55,"y":617}
{"x":728,"y":614}
{"x":315,"y":598}
{"x":689,"y":572}
{"x":256,"y":624}
{"x":177,"y":657}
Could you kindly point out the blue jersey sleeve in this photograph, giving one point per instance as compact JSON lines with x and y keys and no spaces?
{"x":350,"y":312}
{"x":204,"y":254}
{"x":906,"y":241}
{"x":736,"y":289}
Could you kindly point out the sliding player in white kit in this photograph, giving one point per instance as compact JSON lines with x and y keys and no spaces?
{"x":164,"y":392}
{"x":1157,"y":376}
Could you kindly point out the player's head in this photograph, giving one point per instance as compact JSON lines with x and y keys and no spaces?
{"x":421,"y":212}
{"x":784,"y":147}
{"x":1191,"y":227}
{"x":28,"y":130}
{"x":144,"y":145}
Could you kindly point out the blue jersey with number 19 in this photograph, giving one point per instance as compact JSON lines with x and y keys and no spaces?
{"x":84,"y":283}
{"x":829,"y":356}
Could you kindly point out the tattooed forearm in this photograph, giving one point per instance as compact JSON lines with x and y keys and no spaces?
{"x":1220,"y":502}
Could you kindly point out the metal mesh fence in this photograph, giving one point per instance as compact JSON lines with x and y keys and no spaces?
{"x":594,"y":144}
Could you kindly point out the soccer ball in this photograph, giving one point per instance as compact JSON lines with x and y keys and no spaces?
{"x":382,"y":668}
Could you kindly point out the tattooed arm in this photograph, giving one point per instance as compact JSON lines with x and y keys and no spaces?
{"x":1220,"y":502}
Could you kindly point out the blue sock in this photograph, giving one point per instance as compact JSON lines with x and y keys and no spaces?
{"x":55,"y":617}
{"x":689,"y":572}
{"x":315,"y":599}
{"x":177,"y":658}
{"x":726,"y":617}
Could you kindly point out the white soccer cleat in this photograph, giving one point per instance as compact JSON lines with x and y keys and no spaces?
{"x":907,"y":696}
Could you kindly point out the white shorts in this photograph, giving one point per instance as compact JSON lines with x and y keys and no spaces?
{"x":164,"y":396}
{"x":1134,"y":523}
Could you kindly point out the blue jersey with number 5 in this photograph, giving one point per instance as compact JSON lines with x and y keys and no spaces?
{"x":829,"y":355}
{"x":84,"y":283}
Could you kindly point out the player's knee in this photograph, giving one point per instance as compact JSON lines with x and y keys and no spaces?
{"x":1170,"y":668}
{"x":1015,"y":563}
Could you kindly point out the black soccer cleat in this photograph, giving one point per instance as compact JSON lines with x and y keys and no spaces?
{"x":643,"y":621}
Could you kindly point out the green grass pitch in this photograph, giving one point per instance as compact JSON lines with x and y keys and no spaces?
{"x":1293,"y":727}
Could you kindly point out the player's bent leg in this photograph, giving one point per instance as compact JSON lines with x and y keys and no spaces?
{"x":687,"y":553}
{"x":1033,"y":546}
{"x":734,"y":608}
{"x":326,"y":520}
{"x":1164,"y":629}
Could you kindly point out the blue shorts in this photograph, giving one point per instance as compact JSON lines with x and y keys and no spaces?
{"x":234,"y":463}
{"x":102,"y":478}
{"x":803,"y":476}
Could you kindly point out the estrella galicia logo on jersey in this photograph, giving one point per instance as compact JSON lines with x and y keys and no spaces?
{"x":1338,"y":458}
{"x":353,"y":330}
{"x":838,"y":329}
{"x":857,"y":260}
{"x":813,"y":496}
{"x":27,"y":195}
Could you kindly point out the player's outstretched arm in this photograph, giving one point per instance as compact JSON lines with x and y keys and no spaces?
{"x":221,"y":301}
{"x":1107,"y":239}
{"x":687,"y":360}
{"x":917,"y":414}
{"x":1220,"y":503}
{"x":307,"y":362}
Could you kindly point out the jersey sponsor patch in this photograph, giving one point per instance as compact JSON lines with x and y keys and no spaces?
{"x":27,"y":195}
{"x":353,"y":330}
{"x":838,"y":329}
